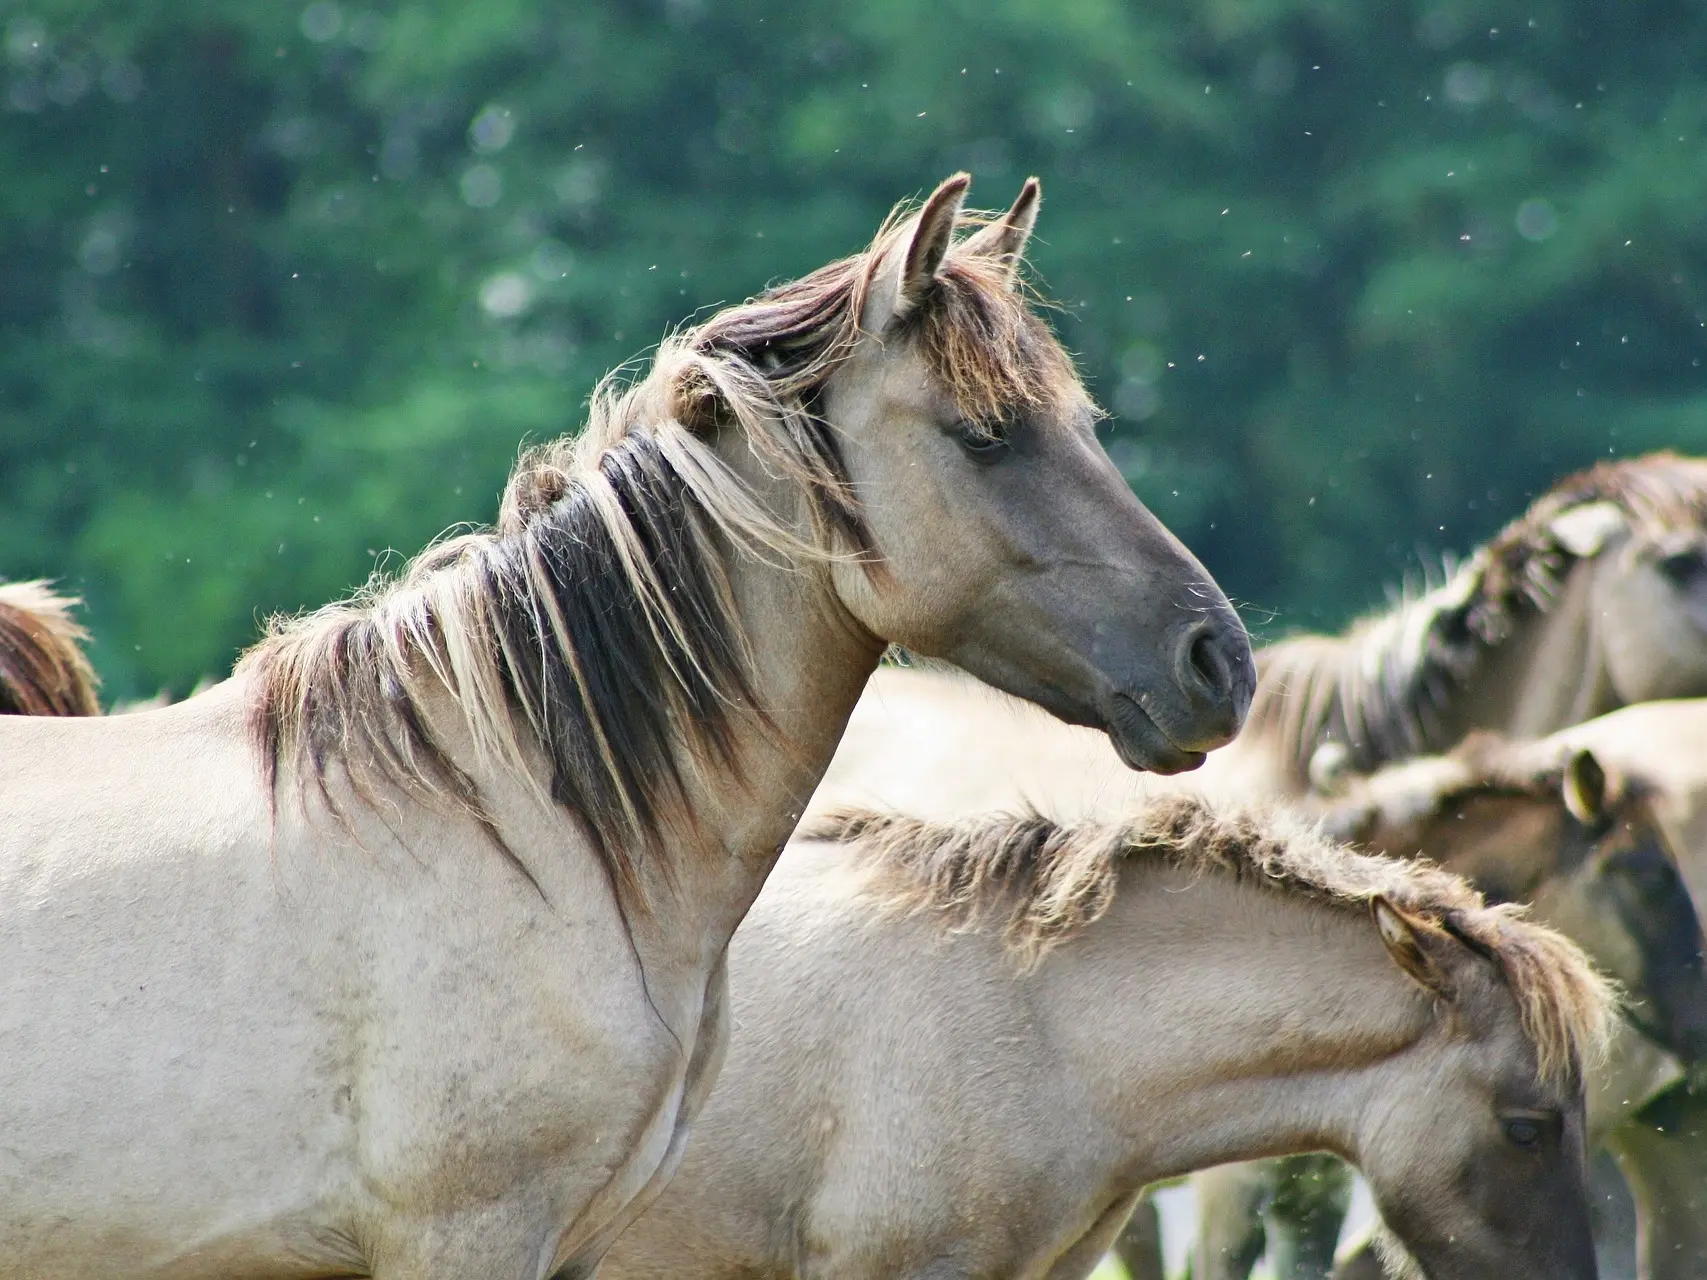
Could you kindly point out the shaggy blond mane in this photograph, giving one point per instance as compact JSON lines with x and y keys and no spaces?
{"x":1379,"y":688}
{"x":595,"y":625}
{"x":43,"y":670}
{"x":1038,"y":883}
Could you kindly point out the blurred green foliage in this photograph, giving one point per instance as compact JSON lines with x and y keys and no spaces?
{"x":284,"y":287}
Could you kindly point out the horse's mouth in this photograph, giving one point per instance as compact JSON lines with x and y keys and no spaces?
{"x":1140,"y":742}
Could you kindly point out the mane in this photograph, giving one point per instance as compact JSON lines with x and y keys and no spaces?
{"x":1038,"y":883}
{"x":43,"y":670}
{"x":589,"y":644}
{"x":1379,"y":689}
{"x":1485,"y":764}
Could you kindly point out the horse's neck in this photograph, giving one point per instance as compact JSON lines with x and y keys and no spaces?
{"x":1548,"y":674}
{"x":810,"y":663}
{"x":1220,"y":1021}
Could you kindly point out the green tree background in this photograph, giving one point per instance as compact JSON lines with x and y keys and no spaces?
{"x":284,"y":287}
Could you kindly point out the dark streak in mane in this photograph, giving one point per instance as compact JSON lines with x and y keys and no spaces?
{"x":1380,"y":689}
{"x":594,"y":630}
{"x":1038,"y":883}
{"x":43,"y":671}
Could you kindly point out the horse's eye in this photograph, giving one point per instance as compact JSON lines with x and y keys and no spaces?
{"x":981,"y":441}
{"x":1683,"y":567}
{"x":1522,"y":1132}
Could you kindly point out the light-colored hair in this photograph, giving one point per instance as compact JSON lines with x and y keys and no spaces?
{"x":43,"y":670}
{"x":1038,"y":883}
{"x":1378,"y":690}
{"x":596,"y":625}
{"x":1484,"y":764}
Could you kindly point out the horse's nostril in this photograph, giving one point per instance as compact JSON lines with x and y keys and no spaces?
{"x":1207,"y":662}
{"x":1213,"y":670}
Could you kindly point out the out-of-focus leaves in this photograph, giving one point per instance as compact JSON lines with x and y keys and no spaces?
{"x":284,"y":287}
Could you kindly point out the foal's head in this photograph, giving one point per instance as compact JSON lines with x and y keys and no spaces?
{"x":1548,"y":825}
{"x":1477,"y":1160}
{"x":992,"y":529}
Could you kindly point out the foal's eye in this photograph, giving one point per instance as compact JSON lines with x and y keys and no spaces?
{"x":983,"y":441}
{"x":1522,"y":1132}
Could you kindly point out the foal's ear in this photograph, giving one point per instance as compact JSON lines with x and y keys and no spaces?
{"x":1584,"y":787}
{"x":1409,"y":944}
{"x":1005,"y":239}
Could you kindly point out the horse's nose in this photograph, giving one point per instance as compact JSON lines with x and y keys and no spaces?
{"x":1214,"y":669}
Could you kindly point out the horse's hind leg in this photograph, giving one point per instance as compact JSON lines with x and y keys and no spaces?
{"x":1230,"y":1203}
{"x":1304,"y":1219}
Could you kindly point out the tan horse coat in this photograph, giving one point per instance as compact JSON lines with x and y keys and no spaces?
{"x":1193,"y":987}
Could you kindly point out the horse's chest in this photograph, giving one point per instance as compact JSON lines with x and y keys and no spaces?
{"x":550,"y":1082}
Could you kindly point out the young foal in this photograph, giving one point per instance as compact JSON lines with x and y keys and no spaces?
{"x":43,"y":671}
{"x":1542,"y":823}
{"x":1192,"y":987}
{"x":401,"y":953}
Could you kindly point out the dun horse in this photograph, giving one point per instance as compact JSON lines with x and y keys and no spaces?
{"x":1594,"y":599}
{"x":1662,"y":1150}
{"x":1192,"y":986}
{"x":401,"y":954}
{"x":43,"y":671}
{"x":1542,"y":823}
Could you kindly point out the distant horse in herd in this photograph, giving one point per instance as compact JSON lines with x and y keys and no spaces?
{"x":43,"y":671}
{"x":416,"y":948}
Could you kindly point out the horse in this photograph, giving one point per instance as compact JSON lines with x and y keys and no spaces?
{"x":1594,"y":598}
{"x":43,"y":670}
{"x":1544,"y":823}
{"x":1662,"y":1149}
{"x":1190,"y":984}
{"x":401,"y":952}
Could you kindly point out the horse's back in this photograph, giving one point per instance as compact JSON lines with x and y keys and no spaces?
{"x":851,"y":1033}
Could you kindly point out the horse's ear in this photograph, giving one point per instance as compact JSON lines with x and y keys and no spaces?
{"x":1408,"y":943}
{"x":1584,"y":787}
{"x":1005,"y":240}
{"x":905,"y":281}
{"x":1585,"y":529}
